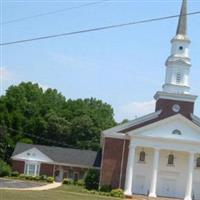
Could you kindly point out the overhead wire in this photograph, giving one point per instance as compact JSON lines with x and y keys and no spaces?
{"x":51,"y":12}
{"x":95,"y":29}
{"x":49,"y":141}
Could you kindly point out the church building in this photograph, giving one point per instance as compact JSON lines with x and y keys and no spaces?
{"x":159,"y":154}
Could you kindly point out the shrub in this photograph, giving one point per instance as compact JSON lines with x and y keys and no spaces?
{"x":5,"y":169}
{"x":15,"y":174}
{"x":43,"y":177}
{"x":37,"y":178}
{"x":22,"y":176}
{"x":68,"y":181}
{"x":80,"y":182}
{"x":105,"y":188}
{"x":92,"y":179}
{"x":117,"y":193}
{"x":50,"y":179}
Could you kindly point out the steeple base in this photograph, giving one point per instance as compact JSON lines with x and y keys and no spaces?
{"x":172,"y":104}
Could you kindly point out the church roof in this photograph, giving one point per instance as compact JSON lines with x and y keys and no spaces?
{"x":146,"y":120}
{"x":64,"y":155}
{"x":182,"y":24}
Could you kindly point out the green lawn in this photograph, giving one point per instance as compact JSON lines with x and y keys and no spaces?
{"x":62,"y":193}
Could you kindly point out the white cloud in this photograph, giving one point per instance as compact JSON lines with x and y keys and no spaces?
{"x":134,"y":109}
{"x":44,"y":87}
{"x":6,"y":74}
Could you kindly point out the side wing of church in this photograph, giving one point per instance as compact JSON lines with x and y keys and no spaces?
{"x":159,"y":154}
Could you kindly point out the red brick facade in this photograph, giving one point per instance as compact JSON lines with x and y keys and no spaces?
{"x":18,"y":166}
{"x":114,"y":162}
{"x":46,"y":169}
{"x":50,"y":169}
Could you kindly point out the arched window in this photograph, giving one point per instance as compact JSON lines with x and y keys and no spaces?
{"x":198,"y":162}
{"x":171,"y":159}
{"x":142,"y":156}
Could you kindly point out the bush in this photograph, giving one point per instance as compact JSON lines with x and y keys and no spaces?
{"x":37,"y":178}
{"x":105,"y":188}
{"x":80,"y":182}
{"x":68,"y":181}
{"x":50,"y":179}
{"x":22,"y":176}
{"x":15,"y":174}
{"x":117,"y":193}
{"x":5,"y":169}
{"x":43,"y":177}
{"x":92,"y":179}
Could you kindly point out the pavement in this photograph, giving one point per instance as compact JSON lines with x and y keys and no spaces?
{"x":9,"y":184}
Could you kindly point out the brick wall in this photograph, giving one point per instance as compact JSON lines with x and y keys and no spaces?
{"x":111,"y":162}
{"x":18,"y":166}
{"x":46,"y":169}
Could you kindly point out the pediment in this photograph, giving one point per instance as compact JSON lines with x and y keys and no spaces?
{"x":165,"y":129}
{"x":32,"y":154}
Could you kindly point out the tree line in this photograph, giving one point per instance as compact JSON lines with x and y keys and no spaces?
{"x":31,"y":115}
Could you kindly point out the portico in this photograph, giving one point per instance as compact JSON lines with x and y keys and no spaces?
{"x":159,"y":168}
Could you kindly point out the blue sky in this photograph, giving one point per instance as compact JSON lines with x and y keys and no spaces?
{"x":124,"y":67}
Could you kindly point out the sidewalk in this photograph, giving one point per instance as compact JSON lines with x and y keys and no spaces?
{"x":40,"y":188}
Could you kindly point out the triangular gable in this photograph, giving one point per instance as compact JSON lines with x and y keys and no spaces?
{"x":32,"y":154}
{"x":132,"y":123}
{"x":165,"y":128}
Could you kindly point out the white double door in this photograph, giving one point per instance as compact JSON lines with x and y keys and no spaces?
{"x":167,"y":187}
{"x":139,"y":185}
{"x":196,"y":190}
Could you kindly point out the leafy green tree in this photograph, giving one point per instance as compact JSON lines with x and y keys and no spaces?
{"x":31,"y":115}
{"x":92,"y":179}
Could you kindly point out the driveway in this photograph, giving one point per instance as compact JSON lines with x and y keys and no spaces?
{"x":9,"y":183}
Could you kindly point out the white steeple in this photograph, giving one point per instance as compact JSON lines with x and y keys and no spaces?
{"x":178,"y":64}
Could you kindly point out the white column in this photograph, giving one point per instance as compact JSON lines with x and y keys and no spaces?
{"x":188,"y":191}
{"x":153,"y":186}
{"x":129,"y":171}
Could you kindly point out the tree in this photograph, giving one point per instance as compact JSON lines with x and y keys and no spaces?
{"x":31,"y":115}
{"x":92,"y":179}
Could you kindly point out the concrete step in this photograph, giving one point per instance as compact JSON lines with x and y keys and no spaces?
{"x":141,"y":197}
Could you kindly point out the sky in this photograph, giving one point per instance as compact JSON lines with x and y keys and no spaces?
{"x":123,"y":67}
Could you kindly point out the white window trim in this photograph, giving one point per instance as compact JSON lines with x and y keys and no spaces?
{"x":37,"y":167}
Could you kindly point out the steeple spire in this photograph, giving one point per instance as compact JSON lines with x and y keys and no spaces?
{"x":178,"y":64}
{"x":182,"y":24}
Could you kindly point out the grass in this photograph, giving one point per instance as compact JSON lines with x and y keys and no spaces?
{"x":65,"y":192}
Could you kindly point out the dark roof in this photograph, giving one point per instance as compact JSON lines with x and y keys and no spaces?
{"x":64,"y":155}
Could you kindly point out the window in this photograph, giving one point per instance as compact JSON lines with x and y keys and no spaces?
{"x":178,"y":77}
{"x":198,"y":162}
{"x":181,"y":48}
{"x":76,"y":176}
{"x":31,"y":169}
{"x":142,"y":156}
{"x":176,"y":132}
{"x":171,"y":159}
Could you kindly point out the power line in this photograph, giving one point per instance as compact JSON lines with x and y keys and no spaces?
{"x":39,"y":137}
{"x":96,"y":29}
{"x":51,"y":12}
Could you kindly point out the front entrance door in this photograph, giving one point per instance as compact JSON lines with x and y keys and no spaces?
{"x":140,"y":185}
{"x":196,"y":191}
{"x":168,"y":188}
{"x":59,"y":174}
